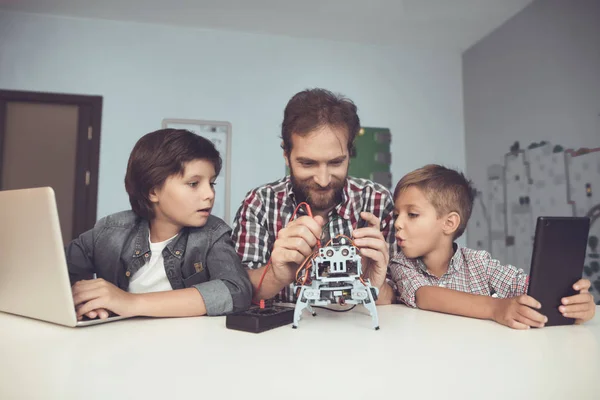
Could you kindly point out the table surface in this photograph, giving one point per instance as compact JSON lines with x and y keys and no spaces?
{"x":415,"y":354}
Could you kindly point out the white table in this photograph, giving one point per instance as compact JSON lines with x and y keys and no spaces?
{"x":337,"y":356}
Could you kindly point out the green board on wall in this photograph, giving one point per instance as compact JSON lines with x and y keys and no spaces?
{"x":372,"y":157}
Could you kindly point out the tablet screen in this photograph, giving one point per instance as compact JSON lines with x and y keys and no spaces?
{"x":557,"y":262}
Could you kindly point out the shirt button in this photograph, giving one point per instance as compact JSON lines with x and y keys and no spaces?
{"x":128,"y":274}
{"x":137,"y":252}
{"x":178,"y":252}
{"x":146,"y":255}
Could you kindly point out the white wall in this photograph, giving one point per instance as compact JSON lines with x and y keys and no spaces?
{"x":536,"y":78}
{"x":146,"y":73}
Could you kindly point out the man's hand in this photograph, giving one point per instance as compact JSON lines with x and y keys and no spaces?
{"x":98,"y":295}
{"x":581,"y":307}
{"x":518,"y":312}
{"x":374,"y":249}
{"x":294,"y":243}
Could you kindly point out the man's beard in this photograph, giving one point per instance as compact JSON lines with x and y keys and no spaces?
{"x":319,"y":198}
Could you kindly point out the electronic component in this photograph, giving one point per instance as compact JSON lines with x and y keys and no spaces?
{"x":258,"y":319}
{"x":334,"y":276}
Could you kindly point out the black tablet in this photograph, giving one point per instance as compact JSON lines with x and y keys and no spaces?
{"x":557,"y":263}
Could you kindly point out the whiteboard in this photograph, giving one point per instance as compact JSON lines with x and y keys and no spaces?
{"x":218,"y":132}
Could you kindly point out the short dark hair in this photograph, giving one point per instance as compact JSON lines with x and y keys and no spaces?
{"x":315,"y":108}
{"x":159,"y":155}
{"x":446,"y":189}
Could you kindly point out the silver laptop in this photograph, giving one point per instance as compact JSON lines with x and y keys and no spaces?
{"x":34,"y":280}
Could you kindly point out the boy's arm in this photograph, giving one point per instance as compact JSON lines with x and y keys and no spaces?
{"x":98,"y":294}
{"x":435,"y":298}
{"x":416,"y":291}
{"x":517,"y":312}
{"x":80,"y":255}
{"x":173,"y":303}
{"x":508,"y":309}
{"x":229,"y":288}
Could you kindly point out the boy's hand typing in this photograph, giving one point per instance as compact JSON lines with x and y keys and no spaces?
{"x":581,"y":306}
{"x":98,"y":295}
{"x":518,"y":312}
{"x":100,"y":313}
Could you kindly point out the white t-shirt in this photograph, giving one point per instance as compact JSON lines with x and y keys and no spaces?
{"x":152,"y":276}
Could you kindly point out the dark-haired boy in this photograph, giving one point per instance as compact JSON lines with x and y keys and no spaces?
{"x":168,"y":256}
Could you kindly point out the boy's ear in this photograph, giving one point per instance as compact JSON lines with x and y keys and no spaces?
{"x":153,"y":196}
{"x":451,"y":223}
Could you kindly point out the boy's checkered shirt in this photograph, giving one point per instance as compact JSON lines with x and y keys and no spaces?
{"x":470,"y":271}
{"x":268,"y":209}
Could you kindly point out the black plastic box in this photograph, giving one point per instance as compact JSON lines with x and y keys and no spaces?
{"x":258,"y":320}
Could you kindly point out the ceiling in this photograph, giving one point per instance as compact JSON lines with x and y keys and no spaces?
{"x":455,"y":24}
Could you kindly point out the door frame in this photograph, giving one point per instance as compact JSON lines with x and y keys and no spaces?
{"x":88,"y":148}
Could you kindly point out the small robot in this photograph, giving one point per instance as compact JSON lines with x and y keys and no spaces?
{"x":335,"y":277}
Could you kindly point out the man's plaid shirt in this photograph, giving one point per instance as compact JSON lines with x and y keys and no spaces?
{"x":268,"y":209}
{"x":470,"y":271}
